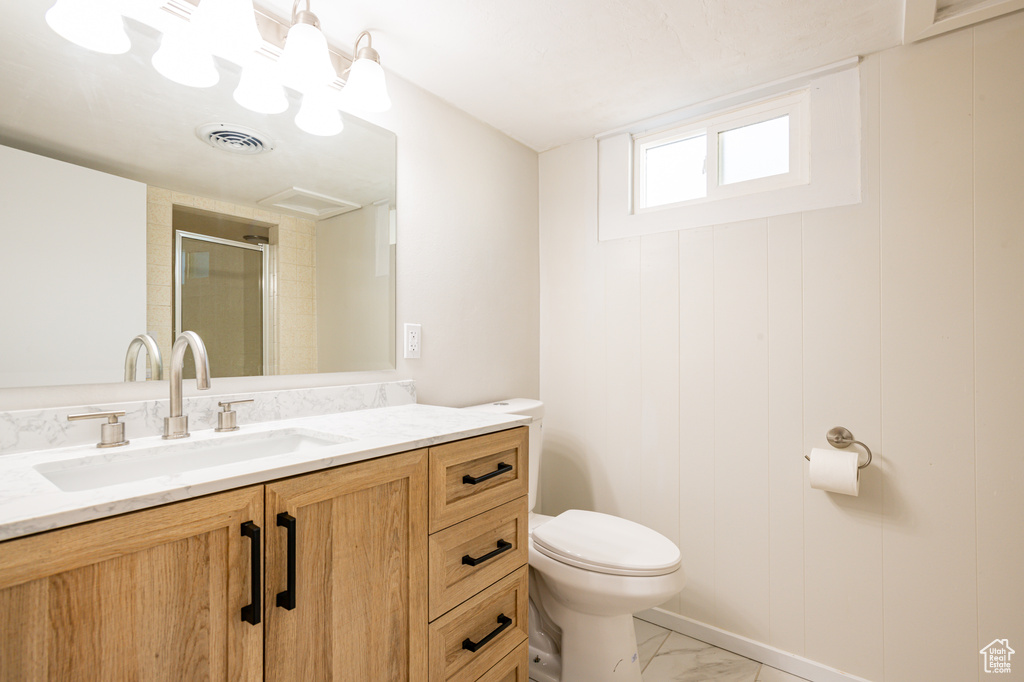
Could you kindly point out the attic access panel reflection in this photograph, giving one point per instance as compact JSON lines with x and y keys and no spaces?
{"x":307,"y":204}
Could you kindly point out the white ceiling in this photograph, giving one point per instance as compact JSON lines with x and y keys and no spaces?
{"x":548,"y":72}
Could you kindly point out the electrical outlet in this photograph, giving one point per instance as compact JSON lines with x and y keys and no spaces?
{"x":412,"y":340}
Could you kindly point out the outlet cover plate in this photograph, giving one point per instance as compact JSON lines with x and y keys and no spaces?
{"x":413,"y":340}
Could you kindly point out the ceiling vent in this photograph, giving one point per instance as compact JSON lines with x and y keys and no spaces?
{"x":234,"y":138}
{"x":308,"y":204}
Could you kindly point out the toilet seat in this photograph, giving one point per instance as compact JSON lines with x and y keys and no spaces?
{"x":606,"y":544}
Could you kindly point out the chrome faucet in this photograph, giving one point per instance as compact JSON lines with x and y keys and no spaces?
{"x":131,"y":360}
{"x":176,"y":425}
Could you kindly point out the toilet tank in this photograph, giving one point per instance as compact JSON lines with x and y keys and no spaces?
{"x":527,"y":408}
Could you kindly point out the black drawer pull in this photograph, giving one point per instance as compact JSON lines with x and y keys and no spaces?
{"x":286,"y":599}
{"x":503,"y":622}
{"x":502,"y":547}
{"x":502,"y":469}
{"x":251,"y":612}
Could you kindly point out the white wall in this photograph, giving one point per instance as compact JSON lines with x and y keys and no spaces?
{"x":100,"y":220}
{"x":687,"y":373}
{"x":354,"y":304}
{"x":467,"y":262}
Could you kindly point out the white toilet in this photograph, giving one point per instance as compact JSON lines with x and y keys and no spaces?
{"x":589,"y":573}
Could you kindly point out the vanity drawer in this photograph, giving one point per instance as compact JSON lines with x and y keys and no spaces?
{"x":470,"y":476}
{"x":513,"y":668}
{"x":495,"y":541}
{"x":476,"y":623}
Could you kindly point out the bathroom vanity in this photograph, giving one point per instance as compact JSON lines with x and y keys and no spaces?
{"x":395,"y":553}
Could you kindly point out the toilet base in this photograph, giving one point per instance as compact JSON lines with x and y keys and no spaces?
{"x":599,"y":649}
{"x":545,"y":666}
{"x":592,"y":648}
{"x":603,"y":651}
{"x":545,"y":659}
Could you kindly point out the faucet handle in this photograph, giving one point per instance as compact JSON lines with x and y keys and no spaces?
{"x":226,"y":418}
{"x":111,"y":433}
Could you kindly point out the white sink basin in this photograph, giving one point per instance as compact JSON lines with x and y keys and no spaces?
{"x":110,"y":468}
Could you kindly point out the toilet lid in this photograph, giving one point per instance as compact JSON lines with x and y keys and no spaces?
{"x":606,"y":544}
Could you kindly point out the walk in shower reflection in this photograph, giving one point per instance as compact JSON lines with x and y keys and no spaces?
{"x":220,"y":293}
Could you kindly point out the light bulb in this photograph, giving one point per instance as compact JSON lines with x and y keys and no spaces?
{"x":305,"y":62}
{"x":93,"y":24}
{"x":260,"y":89}
{"x":228,"y":28}
{"x":365,"y":88}
{"x":318,"y":115}
{"x":183,"y":59}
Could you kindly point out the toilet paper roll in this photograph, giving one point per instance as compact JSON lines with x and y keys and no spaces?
{"x":835,"y":471}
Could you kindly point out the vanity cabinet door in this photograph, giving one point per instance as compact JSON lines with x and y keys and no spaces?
{"x":152,"y":595}
{"x":356,"y":607}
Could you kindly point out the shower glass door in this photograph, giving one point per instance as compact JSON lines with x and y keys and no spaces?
{"x":220,"y":294}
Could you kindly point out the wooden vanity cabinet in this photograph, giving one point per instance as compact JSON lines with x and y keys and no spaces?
{"x":340,"y":566}
{"x":152,"y":595}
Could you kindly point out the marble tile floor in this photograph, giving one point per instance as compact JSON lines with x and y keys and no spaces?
{"x":667,"y":656}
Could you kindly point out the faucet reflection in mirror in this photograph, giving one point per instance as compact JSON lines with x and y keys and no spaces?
{"x":176,"y":425}
{"x":233,"y":30}
{"x":131,"y":359}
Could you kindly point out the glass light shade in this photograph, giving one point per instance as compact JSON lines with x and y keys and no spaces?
{"x":365,"y":89}
{"x":93,"y":24}
{"x":183,"y":59}
{"x":305,"y":63}
{"x":318,"y":115}
{"x":260,"y":88}
{"x":228,"y":28}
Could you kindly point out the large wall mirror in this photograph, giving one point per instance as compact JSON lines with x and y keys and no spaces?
{"x":128,"y":205}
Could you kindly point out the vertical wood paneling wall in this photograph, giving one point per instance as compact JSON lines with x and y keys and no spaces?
{"x":686,"y":374}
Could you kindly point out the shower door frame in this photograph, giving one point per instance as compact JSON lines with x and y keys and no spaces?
{"x":265,"y":296}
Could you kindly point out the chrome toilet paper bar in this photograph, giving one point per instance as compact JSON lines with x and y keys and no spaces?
{"x":841,"y":438}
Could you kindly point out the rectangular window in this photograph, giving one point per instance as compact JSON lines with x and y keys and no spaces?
{"x":754,"y":149}
{"x":788,"y":146}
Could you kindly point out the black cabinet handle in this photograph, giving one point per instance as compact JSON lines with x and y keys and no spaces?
{"x":502,"y":547}
{"x":503,"y":622}
{"x":286,"y":599}
{"x":502,"y":469}
{"x":251,"y":612}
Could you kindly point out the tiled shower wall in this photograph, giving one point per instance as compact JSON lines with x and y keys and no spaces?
{"x":294,"y":342}
{"x":687,"y":373}
{"x":296,"y":295}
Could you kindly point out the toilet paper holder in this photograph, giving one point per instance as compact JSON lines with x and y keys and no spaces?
{"x":838,"y":437}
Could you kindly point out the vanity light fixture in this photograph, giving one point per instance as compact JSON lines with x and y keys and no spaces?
{"x":93,"y":24}
{"x":365,"y":88}
{"x":318,"y":114}
{"x":306,"y":61}
{"x":229,"y":29}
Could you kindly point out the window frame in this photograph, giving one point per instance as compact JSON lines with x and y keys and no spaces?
{"x":793,"y":104}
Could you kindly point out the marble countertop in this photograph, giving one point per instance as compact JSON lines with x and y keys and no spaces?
{"x":31,"y":503}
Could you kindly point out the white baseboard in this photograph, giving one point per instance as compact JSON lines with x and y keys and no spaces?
{"x":770,"y":656}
